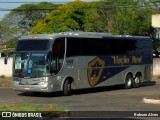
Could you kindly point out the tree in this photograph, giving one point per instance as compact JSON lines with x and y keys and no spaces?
{"x":21,"y":20}
{"x":11,"y":43}
{"x":104,"y":22}
{"x":0,"y":30}
{"x":124,"y":17}
{"x":155,"y":40}
{"x":31,"y":14}
{"x":73,"y":16}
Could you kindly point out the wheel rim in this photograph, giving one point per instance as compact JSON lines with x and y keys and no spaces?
{"x":129,"y":82}
{"x":137,"y":80}
{"x":69,"y":87}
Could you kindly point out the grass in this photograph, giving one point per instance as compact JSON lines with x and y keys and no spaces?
{"x":32,"y":107}
{"x":49,"y":110}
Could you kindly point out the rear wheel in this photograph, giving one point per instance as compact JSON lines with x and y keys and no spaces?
{"x":137,"y":81}
{"x":128,"y":81}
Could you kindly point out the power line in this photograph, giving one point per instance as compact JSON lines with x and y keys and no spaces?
{"x":7,"y":9}
{"x":22,"y":2}
{"x":31,"y":2}
{"x":108,"y":5}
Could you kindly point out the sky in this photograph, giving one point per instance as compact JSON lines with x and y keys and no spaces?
{"x":11,"y":4}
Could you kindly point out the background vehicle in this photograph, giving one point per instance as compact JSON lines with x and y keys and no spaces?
{"x":77,"y":60}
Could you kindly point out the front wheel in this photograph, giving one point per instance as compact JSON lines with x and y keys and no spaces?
{"x":128,"y":81}
{"x":137,"y":81}
{"x":67,"y":88}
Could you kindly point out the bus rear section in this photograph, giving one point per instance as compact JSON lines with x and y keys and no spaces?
{"x":110,"y":60}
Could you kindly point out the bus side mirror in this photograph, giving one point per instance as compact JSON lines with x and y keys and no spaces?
{"x":7,"y":56}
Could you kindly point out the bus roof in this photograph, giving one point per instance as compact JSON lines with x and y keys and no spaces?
{"x":81,"y":34}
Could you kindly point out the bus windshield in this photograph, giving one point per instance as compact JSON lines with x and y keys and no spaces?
{"x":33,"y":45}
{"x":33,"y":64}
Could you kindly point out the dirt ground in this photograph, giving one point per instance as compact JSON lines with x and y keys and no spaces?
{"x":156,"y":78}
{"x":7,"y":82}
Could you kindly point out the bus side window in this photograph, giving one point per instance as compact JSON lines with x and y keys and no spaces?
{"x":58,"y":49}
{"x":54,"y":63}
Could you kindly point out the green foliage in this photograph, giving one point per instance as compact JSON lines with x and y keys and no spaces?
{"x":32,"y":107}
{"x":4,"y":52}
{"x":73,"y":16}
{"x":155,"y":40}
{"x":11,"y":43}
{"x":10,"y":46}
{"x":33,"y":13}
{"x":124,"y":17}
{"x":22,"y":19}
{"x":112,"y":16}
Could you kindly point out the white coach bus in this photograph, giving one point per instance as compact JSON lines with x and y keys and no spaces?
{"x":76,"y":60}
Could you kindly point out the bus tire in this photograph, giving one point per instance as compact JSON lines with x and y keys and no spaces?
{"x":67,"y":88}
{"x":128,"y":81}
{"x":137,"y":81}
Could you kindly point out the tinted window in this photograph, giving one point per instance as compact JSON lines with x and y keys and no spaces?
{"x":88,"y":47}
{"x":95,"y":47}
{"x":59,"y":47}
{"x":121,"y":46}
{"x":80,"y":46}
{"x":57,"y":57}
{"x":144,"y":47}
{"x":102,"y":47}
{"x":73,"y":47}
{"x":33,"y":45}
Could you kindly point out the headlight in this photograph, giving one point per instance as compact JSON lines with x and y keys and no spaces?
{"x":44,"y":80}
{"x":15,"y":82}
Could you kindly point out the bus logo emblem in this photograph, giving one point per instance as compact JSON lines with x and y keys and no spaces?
{"x":95,"y":68}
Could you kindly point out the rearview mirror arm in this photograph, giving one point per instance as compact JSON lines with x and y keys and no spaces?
{"x":7,"y":56}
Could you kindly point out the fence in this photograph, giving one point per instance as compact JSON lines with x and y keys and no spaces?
{"x":7,"y":69}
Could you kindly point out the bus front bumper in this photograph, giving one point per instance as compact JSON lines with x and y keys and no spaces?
{"x":32,"y":88}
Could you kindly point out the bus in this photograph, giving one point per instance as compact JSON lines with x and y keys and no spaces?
{"x":69,"y":61}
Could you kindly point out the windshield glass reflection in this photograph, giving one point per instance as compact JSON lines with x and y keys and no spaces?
{"x":31,"y":64}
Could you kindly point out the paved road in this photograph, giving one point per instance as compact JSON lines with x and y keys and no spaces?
{"x":103,"y":99}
